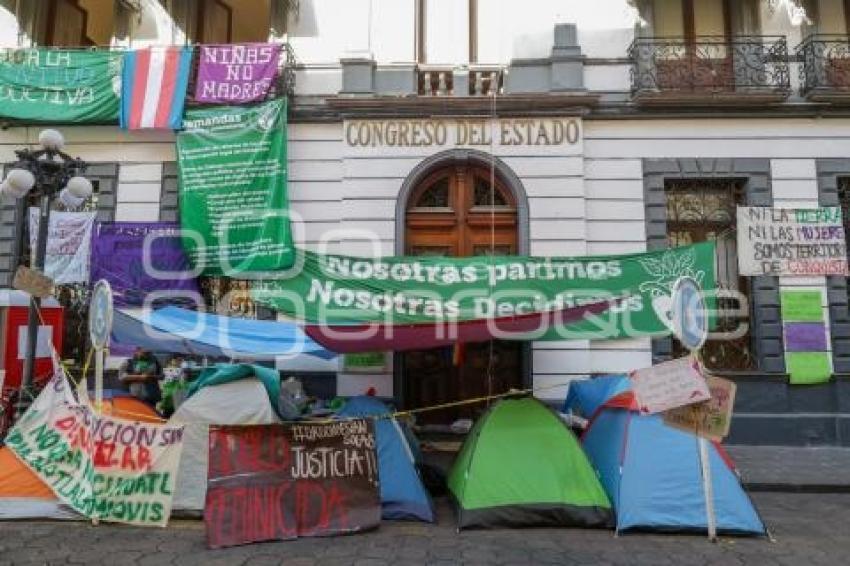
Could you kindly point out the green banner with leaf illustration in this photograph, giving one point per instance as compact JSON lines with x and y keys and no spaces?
{"x":234,"y":210}
{"x":60,"y":85}
{"x":333,"y":289}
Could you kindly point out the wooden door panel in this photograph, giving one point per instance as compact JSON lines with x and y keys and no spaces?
{"x":449,"y":214}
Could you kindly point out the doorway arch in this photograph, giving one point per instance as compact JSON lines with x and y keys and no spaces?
{"x":462,"y":157}
{"x":448,"y":206}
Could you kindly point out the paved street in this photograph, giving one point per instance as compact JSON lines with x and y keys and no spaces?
{"x":810,"y":529}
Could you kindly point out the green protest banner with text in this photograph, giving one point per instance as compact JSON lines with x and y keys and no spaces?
{"x":103,"y":467}
{"x":234,"y":209}
{"x":60,"y":85}
{"x":333,"y":289}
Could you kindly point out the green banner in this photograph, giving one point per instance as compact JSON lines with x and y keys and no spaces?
{"x":332,"y":289}
{"x":60,"y":85}
{"x":233,"y":203}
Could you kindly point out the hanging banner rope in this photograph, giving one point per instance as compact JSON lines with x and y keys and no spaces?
{"x":400,"y":293}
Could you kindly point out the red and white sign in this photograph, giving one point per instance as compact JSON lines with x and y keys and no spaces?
{"x":669,"y":385}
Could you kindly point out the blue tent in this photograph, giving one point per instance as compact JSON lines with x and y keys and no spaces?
{"x":651,"y":471}
{"x":402,"y":494}
{"x":177,"y":330}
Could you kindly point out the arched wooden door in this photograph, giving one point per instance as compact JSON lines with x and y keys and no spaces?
{"x":454,"y":212}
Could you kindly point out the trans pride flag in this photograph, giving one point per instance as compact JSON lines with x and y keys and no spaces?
{"x":154,"y":85}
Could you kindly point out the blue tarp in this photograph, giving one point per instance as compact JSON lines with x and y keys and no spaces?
{"x":402,"y":494}
{"x":651,"y":471}
{"x":182,"y":331}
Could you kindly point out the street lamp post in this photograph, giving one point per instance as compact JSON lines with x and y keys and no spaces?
{"x":48,"y":172}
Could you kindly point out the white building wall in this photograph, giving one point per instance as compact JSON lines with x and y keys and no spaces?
{"x":584,"y":199}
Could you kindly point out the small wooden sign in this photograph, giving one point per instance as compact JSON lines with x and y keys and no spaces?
{"x":33,"y":282}
{"x":710,"y":419}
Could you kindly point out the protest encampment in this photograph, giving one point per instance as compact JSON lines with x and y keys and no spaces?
{"x":424,"y":281}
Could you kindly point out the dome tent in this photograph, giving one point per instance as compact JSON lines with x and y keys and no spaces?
{"x":522,"y":466}
{"x":652,"y":471}
{"x":243,"y":401}
{"x":402,"y":494}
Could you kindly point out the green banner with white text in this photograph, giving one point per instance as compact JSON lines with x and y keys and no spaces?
{"x":234,"y":209}
{"x":341,"y":290}
{"x":60,"y":85}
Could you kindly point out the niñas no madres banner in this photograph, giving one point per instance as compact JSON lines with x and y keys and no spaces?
{"x":102,"y":467}
{"x":60,"y":85}
{"x":234,"y":210}
{"x":791,"y":241}
{"x":280,"y":482}
{"x":341,"y":290}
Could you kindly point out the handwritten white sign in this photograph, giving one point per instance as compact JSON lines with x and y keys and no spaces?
{"x":791,"y":241}
{"x":68,"y":245}
{"x":669,"y":385}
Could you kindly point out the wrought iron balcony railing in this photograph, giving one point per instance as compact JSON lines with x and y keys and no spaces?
{"x":667,"y":68}
{"x":825,"y":69}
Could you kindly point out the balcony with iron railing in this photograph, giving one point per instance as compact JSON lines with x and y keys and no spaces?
{"x":708,"y":69}
{"x":447,"y":80}
{"x":825,"y":67}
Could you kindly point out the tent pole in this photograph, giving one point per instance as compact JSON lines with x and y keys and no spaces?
{"x":707,"y":488}
{"x":98,"y":380}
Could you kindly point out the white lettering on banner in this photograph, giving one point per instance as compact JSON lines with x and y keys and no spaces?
{"x":102,"y":467}
{"x":791,"y":241}
{"x":471,"y":132}
{"x":669,"y":385}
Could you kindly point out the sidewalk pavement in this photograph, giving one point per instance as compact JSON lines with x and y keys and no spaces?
{"x":809,"y":469}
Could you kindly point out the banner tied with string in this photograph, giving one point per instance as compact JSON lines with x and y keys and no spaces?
{"x":342,"y":290}
{"x":103,"y":467}
{"x":139,"y":258}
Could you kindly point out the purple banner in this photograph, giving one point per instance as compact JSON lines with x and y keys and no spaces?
{"x":805,"y":337}
{"x":118,"y":256}
{"x":236,"y":73}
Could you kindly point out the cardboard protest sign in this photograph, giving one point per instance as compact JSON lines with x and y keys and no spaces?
{"x":669,"y":385}
{"x":710,"y":419}
{"x":280,"y":482}
{"x":791,"y":241}
{"x":33,"y":282}
{"x":103,"y":467}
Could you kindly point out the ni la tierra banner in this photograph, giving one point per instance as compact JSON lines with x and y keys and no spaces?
{"x":104,"y":468}
{"x":60,"y":85}
{"x":790,"y":242}
{"x":339,"y":290}
{"x":233,"y":198}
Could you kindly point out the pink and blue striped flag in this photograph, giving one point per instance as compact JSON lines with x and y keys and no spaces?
{"x":153,"y":91}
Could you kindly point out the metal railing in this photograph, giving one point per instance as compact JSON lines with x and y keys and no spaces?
{"x":825,"y":64}
{"x":709,"y":64}
{"x":446,"y":80}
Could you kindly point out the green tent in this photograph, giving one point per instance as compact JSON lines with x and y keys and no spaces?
{"x":522,"y":466}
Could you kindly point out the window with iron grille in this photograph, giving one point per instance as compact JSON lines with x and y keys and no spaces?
{"x":701,"y":210}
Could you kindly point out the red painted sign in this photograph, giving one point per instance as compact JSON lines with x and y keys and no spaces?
{"x":280,"y":482}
